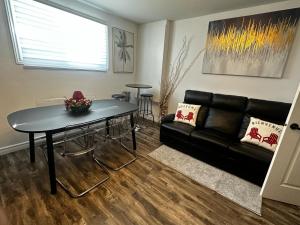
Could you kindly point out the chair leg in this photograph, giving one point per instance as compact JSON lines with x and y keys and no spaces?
{"x":120,"y":126}
{"x":80,"y":194}
{"x":123,"y":146}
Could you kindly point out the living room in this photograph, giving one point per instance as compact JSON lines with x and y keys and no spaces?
{"x":154,"y":56}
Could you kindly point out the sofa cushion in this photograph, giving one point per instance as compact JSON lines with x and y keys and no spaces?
{"x":178,"y":128}
{"x":252,"y":151}
{"x":198,"y":97}
{"x":226,"y":122}
{"x":275,"y":112}
{"x":187,"y":113}
{"x":208,"y":137}
{"x":229,"y":102}
{"x":202,"y":114}
{"x":263,"y":133}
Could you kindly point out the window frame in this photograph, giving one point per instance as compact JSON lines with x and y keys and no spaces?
{"x":17,"y":49}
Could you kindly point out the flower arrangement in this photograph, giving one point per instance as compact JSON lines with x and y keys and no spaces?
{"x":78,"y":103}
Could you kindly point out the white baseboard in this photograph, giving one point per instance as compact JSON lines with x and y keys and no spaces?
{"x":19,"y":146}
{"x":38,"y":139}
{"x":13,"y":148}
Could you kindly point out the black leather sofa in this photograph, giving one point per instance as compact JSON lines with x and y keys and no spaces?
{"x":222,"y":121}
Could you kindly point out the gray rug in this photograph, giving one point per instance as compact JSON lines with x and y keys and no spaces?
{"x":234,"y":188}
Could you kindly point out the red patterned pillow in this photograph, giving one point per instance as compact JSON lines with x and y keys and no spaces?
{"x":263,"y":133}
{"x":187,"y":113}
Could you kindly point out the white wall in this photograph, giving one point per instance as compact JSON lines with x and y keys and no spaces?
{"x":22,"y":88}
{"x":151,"y":44}
{"x":152,"y":49}
{"x":264,"y":88}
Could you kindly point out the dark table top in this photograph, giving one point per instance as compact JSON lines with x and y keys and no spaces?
{"x":55,"y":118}
{"x":138,"y":85}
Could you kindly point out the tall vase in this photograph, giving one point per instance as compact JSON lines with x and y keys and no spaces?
{"x":163,"y":110}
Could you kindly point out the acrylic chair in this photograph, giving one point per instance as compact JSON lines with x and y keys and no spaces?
{"x":114,"y":132}
{"x":82,"y":137}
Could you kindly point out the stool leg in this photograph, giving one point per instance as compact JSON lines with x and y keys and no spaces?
{"x":147,"y":111}
{"x":144,"y":108}
{"x":151,"y":102}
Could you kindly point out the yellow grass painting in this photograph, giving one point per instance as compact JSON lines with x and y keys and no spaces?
{"x":256,"y":45}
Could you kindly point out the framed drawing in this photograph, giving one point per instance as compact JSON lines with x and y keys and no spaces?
{"x":123,"y":51}
{"x":256,"y":45}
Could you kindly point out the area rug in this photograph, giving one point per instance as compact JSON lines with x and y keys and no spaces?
{"x":232,"y":187}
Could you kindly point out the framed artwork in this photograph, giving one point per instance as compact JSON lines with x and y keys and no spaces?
{"x":123,"y":51}
{"x":256,"y":45}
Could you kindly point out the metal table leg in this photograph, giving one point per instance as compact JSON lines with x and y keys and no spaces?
{"x":138,"y":127}
{"x":31,"y":147}
{"x":51,"y":163}
{"x":132,"y":131}
{"x":138,"y":97}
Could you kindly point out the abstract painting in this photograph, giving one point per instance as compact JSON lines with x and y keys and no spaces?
{"x":123,"y":49}
{"x":256,"y":45}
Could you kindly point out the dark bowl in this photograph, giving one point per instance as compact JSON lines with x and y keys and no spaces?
{"x":80,"y":109}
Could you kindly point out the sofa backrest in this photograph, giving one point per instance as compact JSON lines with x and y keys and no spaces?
{"x":199,"y":98}
{"x":226,"y":113}
{"x":231,"y":114}
{"x":271,"y":111}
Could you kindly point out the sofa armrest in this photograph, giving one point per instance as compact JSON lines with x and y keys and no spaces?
{"x":168,"y":118}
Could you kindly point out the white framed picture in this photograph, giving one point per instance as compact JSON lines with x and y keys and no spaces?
{"x":123,"y":51}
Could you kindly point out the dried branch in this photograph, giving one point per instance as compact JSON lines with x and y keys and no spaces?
{"x":175,"y":77}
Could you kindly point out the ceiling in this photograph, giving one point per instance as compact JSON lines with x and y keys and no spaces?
{"x":143,"y":11}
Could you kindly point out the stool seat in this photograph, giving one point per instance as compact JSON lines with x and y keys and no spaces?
{"x":146,"y":95}
{"x":118,"y":96}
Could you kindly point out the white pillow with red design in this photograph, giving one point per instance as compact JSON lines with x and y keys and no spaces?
{"x":187,"y":113}
{"x":263,"y":133}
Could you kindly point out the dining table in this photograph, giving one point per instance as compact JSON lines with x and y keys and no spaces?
{"x":55,"y":119}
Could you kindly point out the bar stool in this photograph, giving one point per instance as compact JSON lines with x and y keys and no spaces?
{"x":146,"y":105}
{"x":120,"y":97}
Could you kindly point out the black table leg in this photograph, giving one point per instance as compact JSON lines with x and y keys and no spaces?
{"x":31,"y":147}
{"x":132,"y":131}
{"x":107,"y":127}
{"x":51,"y":163}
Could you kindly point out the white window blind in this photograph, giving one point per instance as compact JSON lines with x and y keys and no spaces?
{"x":45,"y":36}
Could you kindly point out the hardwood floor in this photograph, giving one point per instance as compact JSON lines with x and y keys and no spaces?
{"x":145,"y":192}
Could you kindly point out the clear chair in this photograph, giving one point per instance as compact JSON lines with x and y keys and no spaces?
{"x":115,"y":132}
{"x":83,"y":143}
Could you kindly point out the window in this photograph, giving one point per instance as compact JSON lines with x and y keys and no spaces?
{"x":45,"y":36}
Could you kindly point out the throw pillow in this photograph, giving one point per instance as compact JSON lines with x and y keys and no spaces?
{"x":187,"y":113}
{"x":263,"y":133}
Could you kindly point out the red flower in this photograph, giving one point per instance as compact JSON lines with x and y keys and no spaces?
{"x":77,"y":95}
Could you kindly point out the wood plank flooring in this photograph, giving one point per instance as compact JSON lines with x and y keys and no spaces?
{"x":145,"y":192}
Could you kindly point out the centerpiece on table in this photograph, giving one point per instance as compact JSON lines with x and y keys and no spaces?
{"x":78,"y":103}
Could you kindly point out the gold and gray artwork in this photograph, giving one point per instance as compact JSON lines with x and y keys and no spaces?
{"x":256,"y":45}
